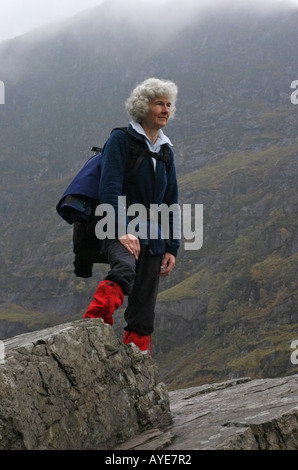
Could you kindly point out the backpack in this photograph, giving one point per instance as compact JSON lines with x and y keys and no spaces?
{"x":79,"y":201}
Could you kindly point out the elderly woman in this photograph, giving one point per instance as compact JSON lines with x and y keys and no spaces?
{"x":137,"y":262}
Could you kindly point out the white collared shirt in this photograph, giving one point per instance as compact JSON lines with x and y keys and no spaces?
{"x":161,"y":139}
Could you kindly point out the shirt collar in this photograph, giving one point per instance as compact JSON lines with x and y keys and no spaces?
{"x":161,"y":139}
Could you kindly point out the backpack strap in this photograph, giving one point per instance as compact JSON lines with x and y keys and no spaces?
{"x":139,"y":150}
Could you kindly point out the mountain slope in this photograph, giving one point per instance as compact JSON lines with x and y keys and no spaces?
{"x":240,"y":304}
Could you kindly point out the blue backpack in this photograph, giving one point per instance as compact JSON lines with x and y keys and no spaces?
{"x":79,"y":201}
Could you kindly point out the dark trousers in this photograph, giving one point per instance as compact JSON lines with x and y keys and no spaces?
{"x":139,"y":280}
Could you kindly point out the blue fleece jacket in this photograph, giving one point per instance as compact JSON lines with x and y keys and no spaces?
{"x":147,"y":187}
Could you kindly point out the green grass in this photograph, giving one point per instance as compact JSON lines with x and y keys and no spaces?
{"x":214,"y":173}
{"x":17,"y":314}
{"x":187,"y":289}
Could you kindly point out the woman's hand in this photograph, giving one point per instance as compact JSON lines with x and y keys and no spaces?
{"x":167,"y":265}
{"x":132,"y":244}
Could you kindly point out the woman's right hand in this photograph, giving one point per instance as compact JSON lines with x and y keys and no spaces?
{"x":131,"y":243}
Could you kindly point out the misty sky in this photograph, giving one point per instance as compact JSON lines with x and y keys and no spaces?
{"x":20,"y":16}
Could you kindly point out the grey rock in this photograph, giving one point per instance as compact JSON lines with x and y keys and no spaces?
{"x":77,"y":387}
{"x":240,"y":414}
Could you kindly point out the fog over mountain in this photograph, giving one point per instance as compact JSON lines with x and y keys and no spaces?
{"x":21,"y":16}
{"x":230,"y":308}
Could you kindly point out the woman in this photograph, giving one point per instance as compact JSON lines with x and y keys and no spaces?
{"x":137,"y":262}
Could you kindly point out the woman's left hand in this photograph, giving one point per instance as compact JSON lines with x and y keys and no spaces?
{"x":167,"y":265}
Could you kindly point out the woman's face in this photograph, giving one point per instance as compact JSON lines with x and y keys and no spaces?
{"x":158,"y":113}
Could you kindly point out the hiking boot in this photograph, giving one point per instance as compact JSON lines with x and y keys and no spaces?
{"x":107,"y":298}
{"x":142,"y":341}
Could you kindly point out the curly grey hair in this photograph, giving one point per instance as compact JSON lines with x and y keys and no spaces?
{"x":137,"y":104}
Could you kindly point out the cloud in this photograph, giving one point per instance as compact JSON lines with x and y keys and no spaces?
{"x":20,"y":16}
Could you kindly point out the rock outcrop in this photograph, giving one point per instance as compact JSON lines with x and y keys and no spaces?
{"x":76,"y":386}
{"x":239,"y":414}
